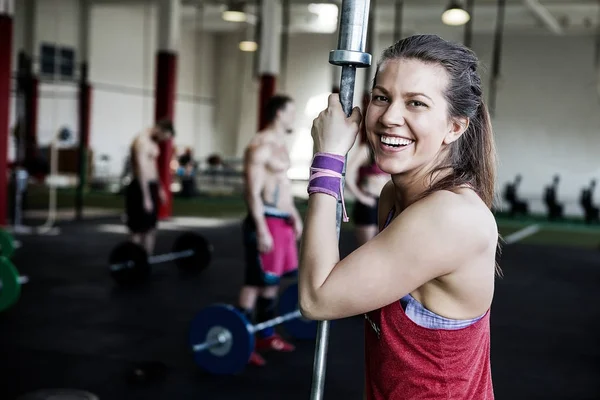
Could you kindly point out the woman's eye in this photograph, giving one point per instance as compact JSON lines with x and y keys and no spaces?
{"x":380,"y":98}
{"x":416,"y":103}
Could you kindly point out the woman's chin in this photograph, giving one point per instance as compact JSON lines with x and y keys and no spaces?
{"x":392,"y":167}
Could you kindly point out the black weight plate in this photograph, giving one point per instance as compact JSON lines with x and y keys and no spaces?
{"x":124,"y":253}
{"x":202,"y":256}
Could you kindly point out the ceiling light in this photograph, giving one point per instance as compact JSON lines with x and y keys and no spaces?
{"x":455,"y":14}
{"x":248,"y":45}
{"x":235,"y":12}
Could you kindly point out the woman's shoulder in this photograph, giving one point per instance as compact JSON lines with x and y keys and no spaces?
{"x":461,"y":209}
{"x":460,"y":212}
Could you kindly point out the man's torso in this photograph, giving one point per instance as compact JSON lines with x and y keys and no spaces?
{"x":144,"y":153}
{"x":276,"y":186}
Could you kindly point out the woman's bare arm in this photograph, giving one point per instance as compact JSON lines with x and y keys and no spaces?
{"x":429,"y":239}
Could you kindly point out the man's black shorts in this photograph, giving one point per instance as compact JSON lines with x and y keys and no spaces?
{"x":138,"y":220}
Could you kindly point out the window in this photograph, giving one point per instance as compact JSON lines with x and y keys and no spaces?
{"x":47,"y":59}
{"x":57,"y":62}
{"x":67,"y":62}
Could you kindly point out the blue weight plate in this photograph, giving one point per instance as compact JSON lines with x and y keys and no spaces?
{"x":227,"y":359}
{"x":299,"y":328}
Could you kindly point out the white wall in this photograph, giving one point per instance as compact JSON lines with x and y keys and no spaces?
{"x":233,"y":67}
{"x":547,"y":117}
{"x":122,"y":73}
{"x":123,"y":55}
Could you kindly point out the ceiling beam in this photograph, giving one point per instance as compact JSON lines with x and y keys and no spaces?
{"x":545,"y":16}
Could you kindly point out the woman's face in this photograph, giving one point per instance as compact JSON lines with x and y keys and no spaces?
{"x":407,"y":119}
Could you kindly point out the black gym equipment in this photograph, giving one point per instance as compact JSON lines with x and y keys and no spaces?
{"x":517,"y":205}
{"x":130,"y":263}
{"x":554,"y":208}
{"x":586,"y":200}
{"x":222,"y":338}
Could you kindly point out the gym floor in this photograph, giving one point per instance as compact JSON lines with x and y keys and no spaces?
{"x":73,"y":328}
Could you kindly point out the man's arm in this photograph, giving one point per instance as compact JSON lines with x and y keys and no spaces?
{"x":255,"y":175}
{"x":355,"y":160}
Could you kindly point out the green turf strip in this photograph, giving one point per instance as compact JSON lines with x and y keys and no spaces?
{"x":570,"y":232}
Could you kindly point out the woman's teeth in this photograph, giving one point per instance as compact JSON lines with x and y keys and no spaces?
{"x":395,"y":141}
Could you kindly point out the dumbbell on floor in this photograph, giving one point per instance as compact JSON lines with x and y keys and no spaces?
{"x":10,"y":283}
{"x":222,"y":339}
{"x":130,"y":263}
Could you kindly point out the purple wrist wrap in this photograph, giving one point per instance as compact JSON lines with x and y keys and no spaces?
{"x":326,"y":176}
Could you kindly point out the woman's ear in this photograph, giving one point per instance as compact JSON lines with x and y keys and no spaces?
{"x":456,"y":128}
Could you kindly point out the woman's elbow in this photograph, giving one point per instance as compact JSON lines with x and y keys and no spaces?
{"x":311,"y":308}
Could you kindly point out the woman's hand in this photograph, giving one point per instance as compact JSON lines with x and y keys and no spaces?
{"x":332,"y":131}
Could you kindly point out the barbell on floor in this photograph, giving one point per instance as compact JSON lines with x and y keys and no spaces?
{"x":222,"y":339}
{"x":10,"y":283}
{"x":130,"y":263}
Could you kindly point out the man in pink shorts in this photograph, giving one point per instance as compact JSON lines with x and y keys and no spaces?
{"x":273,"y":224}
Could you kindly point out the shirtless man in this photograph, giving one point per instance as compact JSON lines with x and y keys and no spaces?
{"x":273,"y":224}
{"x":144,"y":192}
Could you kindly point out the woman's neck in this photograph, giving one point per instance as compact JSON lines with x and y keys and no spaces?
{"x":410,"y":186}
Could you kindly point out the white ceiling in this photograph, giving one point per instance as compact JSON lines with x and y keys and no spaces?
{"x":557,"y":17}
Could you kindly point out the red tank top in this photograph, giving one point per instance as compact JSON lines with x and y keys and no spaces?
{"x":404,"y":361}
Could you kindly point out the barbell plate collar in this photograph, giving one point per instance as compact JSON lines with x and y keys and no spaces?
{"x":116,"y":267}
{"x":348,"y":57}
{"x":21,"y":280}
{"x":222,"y":337}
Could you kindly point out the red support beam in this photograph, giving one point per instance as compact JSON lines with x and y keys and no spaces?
{"x":267,"y":90}
{"x":166,"y":75}
{"x":31,"y":115}
{"x":85,"y":112}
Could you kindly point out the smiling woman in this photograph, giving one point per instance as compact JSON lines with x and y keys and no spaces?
{"x":425,"y":283}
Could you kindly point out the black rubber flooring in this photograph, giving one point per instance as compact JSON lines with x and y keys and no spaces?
{"x":73,"y":328}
